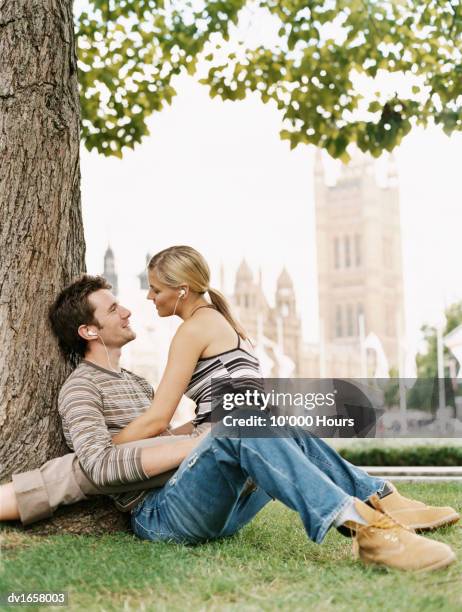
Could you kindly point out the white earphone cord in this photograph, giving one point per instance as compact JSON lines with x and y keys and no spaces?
{"x":180,"y":295}
{"x":107,"y":355}
{"x":176,"y":304}
{"x":168,"y":430}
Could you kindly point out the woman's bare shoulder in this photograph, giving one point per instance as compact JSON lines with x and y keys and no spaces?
{"x":210,"y":326}
{"x":190,"y":330}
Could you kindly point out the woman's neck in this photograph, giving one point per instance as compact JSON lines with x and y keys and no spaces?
{"x":188,"y":309}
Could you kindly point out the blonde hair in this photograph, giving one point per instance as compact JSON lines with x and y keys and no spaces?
{"x":183,"y":264}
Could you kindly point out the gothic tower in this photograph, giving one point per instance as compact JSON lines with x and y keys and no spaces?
{"x":109,"y":270}
{"x":358,"y":238}
{"x":249,"y":298}
{"x":143,"y":276}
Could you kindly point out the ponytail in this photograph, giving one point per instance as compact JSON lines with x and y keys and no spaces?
{"x":221,"y":304}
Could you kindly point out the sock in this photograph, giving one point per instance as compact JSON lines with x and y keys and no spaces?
{"x":381,"y":493}
{"x":349,"y":513}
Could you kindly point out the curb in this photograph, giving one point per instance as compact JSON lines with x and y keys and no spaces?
{"x":417,"y":474}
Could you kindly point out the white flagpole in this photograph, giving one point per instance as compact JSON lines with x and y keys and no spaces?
{"x":322,"y":350}
{"x":401,"y":372}
{"x":362,"y":348}
{"x":440,"y":361}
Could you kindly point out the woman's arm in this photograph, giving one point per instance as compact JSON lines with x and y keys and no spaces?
{"x":159,"y":459}
{"x":185,"y":350}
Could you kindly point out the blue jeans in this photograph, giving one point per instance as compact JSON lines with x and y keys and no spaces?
{"x":202,"y":501}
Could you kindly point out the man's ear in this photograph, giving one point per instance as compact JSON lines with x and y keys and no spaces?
{"x":86,"y":333}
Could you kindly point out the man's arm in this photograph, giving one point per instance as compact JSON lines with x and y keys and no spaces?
{"x":80,"y":407}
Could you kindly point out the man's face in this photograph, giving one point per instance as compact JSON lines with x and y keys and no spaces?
{"x":112,"y":318}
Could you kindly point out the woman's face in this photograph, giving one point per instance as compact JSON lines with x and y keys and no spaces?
{"x":164,"y":297}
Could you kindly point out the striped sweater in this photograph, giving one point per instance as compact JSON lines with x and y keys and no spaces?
{"x":94,"y":405}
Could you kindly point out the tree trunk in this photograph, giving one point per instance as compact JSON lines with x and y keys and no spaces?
{"x":41,"y":233}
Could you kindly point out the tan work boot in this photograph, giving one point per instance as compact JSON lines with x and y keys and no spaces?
{"x":412,"y":513}
{"x":384,"y":542}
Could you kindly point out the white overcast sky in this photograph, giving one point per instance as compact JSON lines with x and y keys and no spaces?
{"x":216,"y":175}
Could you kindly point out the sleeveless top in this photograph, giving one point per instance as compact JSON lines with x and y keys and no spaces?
{"x":235,"y":363}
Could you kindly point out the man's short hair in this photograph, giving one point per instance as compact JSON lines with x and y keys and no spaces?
{"x":70,"y":310}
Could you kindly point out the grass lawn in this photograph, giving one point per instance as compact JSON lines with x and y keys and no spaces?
{"x":269,"y":565}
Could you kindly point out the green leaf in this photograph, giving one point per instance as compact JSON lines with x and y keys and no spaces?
{"x":129,"y":53}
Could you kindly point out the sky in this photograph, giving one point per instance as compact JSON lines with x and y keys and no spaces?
{"x":217,"y":176}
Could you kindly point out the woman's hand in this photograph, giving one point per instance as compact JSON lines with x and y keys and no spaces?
{"x":185,"y":429}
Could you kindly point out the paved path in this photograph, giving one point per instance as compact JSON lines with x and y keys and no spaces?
{"x":418,"y":474}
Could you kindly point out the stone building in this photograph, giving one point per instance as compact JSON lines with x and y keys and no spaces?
{"x":276,"y":329}
{"x":359,"y":262}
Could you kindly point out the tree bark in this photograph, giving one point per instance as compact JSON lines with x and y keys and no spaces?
{"x":42,"y":244}
{"x":41,"y":231}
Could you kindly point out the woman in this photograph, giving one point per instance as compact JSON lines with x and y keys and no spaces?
{"x":209,"y":343}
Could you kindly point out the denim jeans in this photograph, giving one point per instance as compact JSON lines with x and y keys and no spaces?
{"x":203,"y":501}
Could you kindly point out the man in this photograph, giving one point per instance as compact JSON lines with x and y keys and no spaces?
{"x":208,"y":496}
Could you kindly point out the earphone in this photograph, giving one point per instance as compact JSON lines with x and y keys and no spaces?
{"x":92,"y":333}
{"x":181,"y":294}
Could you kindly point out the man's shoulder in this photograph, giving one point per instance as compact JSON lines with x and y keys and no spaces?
{"x":145,"y":384}
{"x":80,"y":380}
{"x":82,"y":372}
